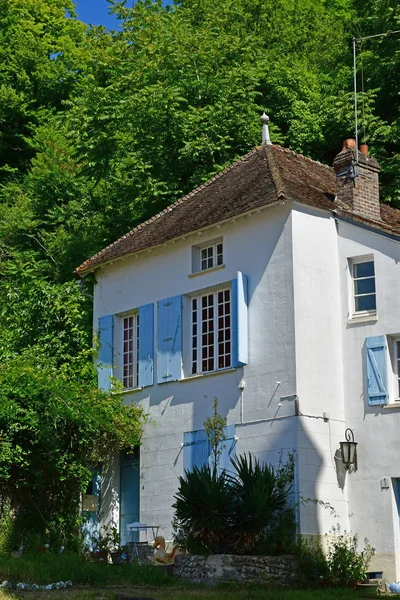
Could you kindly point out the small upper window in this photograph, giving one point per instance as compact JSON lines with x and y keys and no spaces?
{"x":207,"y":256}
{"x":211,"y":256}
{"x":364,"y":293}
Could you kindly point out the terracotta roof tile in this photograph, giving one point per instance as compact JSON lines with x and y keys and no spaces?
{"x":262,"y":177}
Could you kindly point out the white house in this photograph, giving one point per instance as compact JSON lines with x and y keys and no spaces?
{"x":274,"y":287}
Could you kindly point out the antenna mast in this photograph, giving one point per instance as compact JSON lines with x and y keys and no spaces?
{"x":355,"y":40}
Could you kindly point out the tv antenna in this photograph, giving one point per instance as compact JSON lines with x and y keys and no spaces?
{"x":355,"y":40}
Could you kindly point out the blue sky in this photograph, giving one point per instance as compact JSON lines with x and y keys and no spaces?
{"x":95,"y":12}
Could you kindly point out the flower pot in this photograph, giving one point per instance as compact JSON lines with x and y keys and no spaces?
{"x":116,"y":558}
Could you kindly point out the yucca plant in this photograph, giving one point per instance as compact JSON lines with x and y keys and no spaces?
{"x":260,"y":495}
{"x":221,"y":513}
{"x":204,"y":508}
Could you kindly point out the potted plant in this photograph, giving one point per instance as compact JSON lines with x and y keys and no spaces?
{"x":117,"y":551}
{"x":105,"y":543}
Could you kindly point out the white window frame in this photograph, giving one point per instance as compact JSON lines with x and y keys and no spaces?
{"x":394,"y":352}
{"x":130,"y":355}
{"x":352,"y":262}
{"x":196,"y":332}
{"x":208,"y":256}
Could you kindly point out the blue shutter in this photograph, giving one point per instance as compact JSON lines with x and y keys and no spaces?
{"x":240,"y":328}
{"x":196,"y":449}
{"x":376,"y":370}
{"x":105,"y":357}
{"x":146,"y":345}
{"x":228,"y":449}
{"x":169,"y":339}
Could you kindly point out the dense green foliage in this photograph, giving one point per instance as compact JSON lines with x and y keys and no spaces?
{"x":224,"y":513}
{"x":100,"y":129}
{"x":54,"y":430}
{"x":342,"y":564}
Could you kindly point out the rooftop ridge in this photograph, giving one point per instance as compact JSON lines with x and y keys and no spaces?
{"x":276,"y":176}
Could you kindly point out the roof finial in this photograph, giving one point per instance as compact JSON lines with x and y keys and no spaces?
{"x":265,"y":131}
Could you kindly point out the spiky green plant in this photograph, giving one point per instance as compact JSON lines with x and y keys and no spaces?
{"x":260,"y":495}
{"x":218,"y":513}
{"x":204,"y":505}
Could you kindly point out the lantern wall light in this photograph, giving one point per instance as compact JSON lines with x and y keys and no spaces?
{"x":349,"y":451}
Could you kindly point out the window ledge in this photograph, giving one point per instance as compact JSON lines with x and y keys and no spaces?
{"x":392,"y":405}
{"x":209,"y":374}
{"x":129,"y":391}
{"x":362,"y":318}
{"x":211,"y":270}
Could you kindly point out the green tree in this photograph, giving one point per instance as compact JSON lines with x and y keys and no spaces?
{"x":40,"y":62}
{"x":53,"y":431}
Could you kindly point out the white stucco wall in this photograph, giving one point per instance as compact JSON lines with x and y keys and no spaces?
{"x":260,"y":246}
{"x":373,"y":510}
{"x":318,"y":368}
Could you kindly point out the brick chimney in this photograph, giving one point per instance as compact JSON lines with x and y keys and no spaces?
{"x":357,"y":186}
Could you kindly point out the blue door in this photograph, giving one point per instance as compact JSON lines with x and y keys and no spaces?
{"x":129,"y":492}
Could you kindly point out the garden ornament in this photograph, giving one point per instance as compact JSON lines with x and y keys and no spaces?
{"x":160,"y":555}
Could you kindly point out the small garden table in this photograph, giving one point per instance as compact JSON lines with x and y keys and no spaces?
{"x":139,"y":551}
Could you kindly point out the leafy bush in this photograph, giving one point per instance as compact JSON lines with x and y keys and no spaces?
{"x":312,"y":563}
{"x":342,"y":565}
{"x":346,"y":564}
{"x":223,"y":513}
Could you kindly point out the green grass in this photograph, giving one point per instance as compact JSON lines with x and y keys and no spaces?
{"x":50,"y":568}
{"x":191,"y":593}
{"x":109,"y":582}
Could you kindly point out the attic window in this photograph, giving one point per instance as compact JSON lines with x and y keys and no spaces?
{"x":207,"y":256}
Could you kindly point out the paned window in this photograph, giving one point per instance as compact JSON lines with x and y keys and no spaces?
{"x":211,"y":332}
{"x":364,"y":293}
{"x":211,"y":256}
{"x":130,"y":376}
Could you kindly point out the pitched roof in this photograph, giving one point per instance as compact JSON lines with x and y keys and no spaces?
{"x":265,"y":175}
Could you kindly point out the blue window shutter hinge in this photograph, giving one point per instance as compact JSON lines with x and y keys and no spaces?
{"x":167,"y":375}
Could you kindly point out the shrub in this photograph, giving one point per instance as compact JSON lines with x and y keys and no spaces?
{"x":312,"y":563}
{"x":221,"y":513}
{"x":204,"y":507}
{"x":342,"y":565}
{"x":347,"y":565}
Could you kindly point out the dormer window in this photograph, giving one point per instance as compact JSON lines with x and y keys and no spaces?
{"x":209,"y":255}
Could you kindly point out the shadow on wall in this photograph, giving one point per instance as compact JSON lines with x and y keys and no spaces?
{"x":109,"y":510}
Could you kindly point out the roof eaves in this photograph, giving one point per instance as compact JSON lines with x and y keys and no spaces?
{"x":178,"y":237}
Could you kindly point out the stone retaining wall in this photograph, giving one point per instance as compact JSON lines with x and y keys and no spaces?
{"x":279,"y":570}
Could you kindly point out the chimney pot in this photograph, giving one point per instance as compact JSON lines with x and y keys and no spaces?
{"x":364,"y":149}
{"x":349,"y":144}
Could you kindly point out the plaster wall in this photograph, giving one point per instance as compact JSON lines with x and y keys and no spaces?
{"x":319,"y":372}
{"x":260,"y":246}
{"x":373,"y":508}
